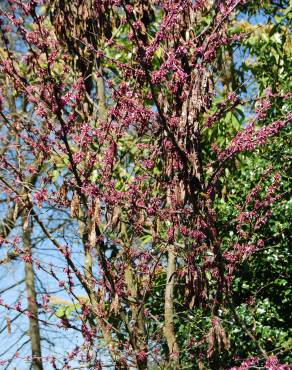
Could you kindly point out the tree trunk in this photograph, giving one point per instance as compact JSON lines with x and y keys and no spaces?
{"x":168,"y":310}
{"x":34,"y":329}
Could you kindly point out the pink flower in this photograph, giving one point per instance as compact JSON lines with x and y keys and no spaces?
{"x":41,"y":196}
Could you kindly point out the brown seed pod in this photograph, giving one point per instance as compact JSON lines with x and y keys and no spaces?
{"x":75,"y":205}
{"x":96,"y":214}
{"x":8,"y":323}
{"x":92,"y":235}
{"x":115,"y":217}
{"x":63,"y":192}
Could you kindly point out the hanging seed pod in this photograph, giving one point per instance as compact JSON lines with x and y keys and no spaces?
{"x":211,"y":343}
{"x":116,"y":217}
{"x":221,"y":337}
{"x":168,"y":196}
{"x":83,"y":11}
{"x":92,"y":235}
{"x":114,"y":307}
{"x":63,"y":192}
{"x":8,"y":323}
{"x":75,"y":205}
{"x":180,"y":193}
{"x":15,"y":211}
{"x":141,"y":217}
{"x":96,"y":214}
{"x":25,"y":224}
{"x":154,"y":231}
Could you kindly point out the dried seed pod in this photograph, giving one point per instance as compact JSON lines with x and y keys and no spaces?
{"x":141,"y":219}
{"x":25,"y":224}
{"x":63,"y":192}
{"x":211,"y":343}
{"x":180,"y":193}
{"x":92,"y":235}
{"x":115,"y":217}
{"x":75,"y":205}
{"x":8,"y":323}
{"x":115,"y":304}
{"x":15,"y":211}
{"x":96,"y":214}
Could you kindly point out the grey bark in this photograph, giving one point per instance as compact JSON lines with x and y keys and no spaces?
{"x":169,"y":311}
{"x":34,"y":329}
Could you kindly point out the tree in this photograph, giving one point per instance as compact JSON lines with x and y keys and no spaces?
{"x":144,"y":159}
